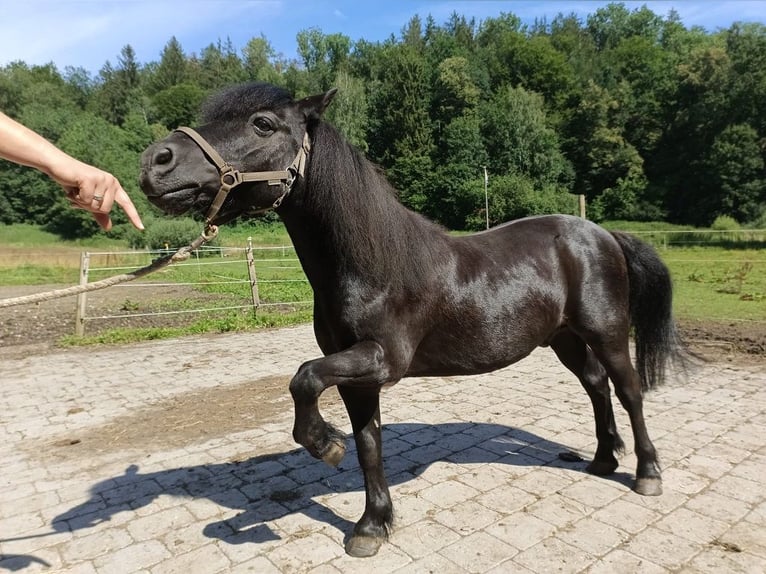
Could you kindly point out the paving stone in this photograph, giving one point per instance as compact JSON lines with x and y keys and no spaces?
{"x":594,"y":537}
{"x":627,"y":563}
{"x":138,"y":556}
{"x":554,"y":555}
{"x":692,"y":526}
{"x":423,"y":538}
{"x":479,"y":552}
{"x":209,"y":555}
{"x":662,"y":548}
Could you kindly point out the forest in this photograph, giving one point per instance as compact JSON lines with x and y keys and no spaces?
{"x":648,"y":119}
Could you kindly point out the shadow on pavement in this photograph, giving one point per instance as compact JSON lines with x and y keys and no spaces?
{"x":266,"y":488}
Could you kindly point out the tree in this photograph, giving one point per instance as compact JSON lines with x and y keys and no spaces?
{"x":519,"y":139}
{"x":497,"y":41}
{"x":349,"y":110}
{"x":647,"y":118}
{"x":525,"y":150}
{"x":171,"y":69}
{"x":570,"y":39}
{"x":458,"y":199}
{"x":401,"y":137}
{"x":701,"y":110}
{"x":179,"y":105}
{"x":219,"y":66}
{"x":613,"y":23}
{"x":643,"y":74}
{"x":25,"y":194}
{"x":610,"y":168}
{"x":455,"y":90}
{"x":532,"y":62}
{"x":258,"y":55}
{"x":80,"y":85}
{"x":119,"y":90}
{"x":323,"y":56}
{"x":736,"y":182}
{"x":746,"y":49}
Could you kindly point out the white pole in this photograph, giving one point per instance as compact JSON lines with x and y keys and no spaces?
{"x":79,"y":319}
{"x":486,"y":197}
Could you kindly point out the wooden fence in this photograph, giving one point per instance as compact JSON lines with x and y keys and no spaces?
{"x":249,"y":269}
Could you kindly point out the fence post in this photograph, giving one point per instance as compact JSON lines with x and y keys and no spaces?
{"x":251,"y":274}
{"x":82,"y":298}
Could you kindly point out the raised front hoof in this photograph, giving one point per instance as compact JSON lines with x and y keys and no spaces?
{"x":602,"y":467}
{"x":648,"y":486}
{"x":334,"y":453}
{"x":363,"y":546}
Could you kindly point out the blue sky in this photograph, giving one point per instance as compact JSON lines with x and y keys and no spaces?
{"x":87,"y":33}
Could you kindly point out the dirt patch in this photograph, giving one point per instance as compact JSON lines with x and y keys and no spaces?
{"x":35,"y":328}
{"x":742,"y":337}
{"x":189,"y":418}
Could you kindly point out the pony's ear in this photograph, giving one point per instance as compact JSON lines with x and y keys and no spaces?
{"x":314,"y":106}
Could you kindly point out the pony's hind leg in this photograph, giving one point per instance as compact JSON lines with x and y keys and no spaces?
{"x":627,"y":386}
{"x":363,"y":406}
{"x":576,"y":356}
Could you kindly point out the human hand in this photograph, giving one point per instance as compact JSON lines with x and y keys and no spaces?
{"x":94,"y":190}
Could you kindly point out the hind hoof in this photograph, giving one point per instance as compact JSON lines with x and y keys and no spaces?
{"x":648,"y":486}
{"x":334,"y":453}
{"x":363,"y":546}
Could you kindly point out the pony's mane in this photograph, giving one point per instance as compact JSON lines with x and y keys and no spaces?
{"x":243,"y":100}
{"x":360,"y":208}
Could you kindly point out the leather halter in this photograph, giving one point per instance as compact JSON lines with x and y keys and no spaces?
{"x":231,"y":177}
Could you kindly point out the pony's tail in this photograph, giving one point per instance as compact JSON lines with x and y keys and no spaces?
{"x":651,"y":314}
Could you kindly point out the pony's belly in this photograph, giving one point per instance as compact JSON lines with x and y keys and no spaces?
{"x":467,"y":358}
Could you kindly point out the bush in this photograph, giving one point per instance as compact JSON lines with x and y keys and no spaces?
{"x":166,"y":234}
{"x":760,"y":221}
{"x":725,"y":223}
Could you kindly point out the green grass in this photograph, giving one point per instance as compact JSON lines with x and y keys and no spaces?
{"x":227,"y":322}
{"x":263,"y":234}
{"x":26,"y":235}
{"x":712,"y":283}
{"x":30,"y":274}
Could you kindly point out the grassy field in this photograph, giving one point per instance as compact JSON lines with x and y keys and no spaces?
{"x":710,"y":282}
{"x":718,"y":284}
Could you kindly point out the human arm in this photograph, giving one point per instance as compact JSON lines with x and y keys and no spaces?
{"x":87,"y":187}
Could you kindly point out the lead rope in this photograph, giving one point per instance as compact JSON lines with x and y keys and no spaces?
{"x":182,"y":254}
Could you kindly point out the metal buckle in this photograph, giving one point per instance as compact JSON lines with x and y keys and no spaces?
{"x":233,"y":176}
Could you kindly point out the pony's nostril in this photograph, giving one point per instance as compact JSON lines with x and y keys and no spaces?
{"x":163,"y":156}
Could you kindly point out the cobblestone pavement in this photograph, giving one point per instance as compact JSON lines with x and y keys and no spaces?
{"x":473,"y":463}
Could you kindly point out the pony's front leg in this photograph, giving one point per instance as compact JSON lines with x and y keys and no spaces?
{"x":363,"y":406}
{"x":362,"y":364}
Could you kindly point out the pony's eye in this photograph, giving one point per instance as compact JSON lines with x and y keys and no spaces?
{"x":262,"y":125}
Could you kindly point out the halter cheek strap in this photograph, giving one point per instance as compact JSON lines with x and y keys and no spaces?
{"x":231,"y":177}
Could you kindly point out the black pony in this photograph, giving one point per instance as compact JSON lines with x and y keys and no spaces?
{"x":396,"y":296}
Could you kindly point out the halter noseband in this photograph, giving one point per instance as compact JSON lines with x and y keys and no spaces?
{"x":231,"y":177}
